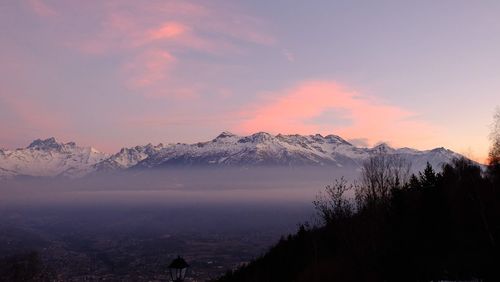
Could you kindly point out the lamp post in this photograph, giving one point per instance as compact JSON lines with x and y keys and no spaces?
{"x":178,"y":268}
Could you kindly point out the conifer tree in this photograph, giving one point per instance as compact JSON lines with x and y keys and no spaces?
{"x":414,"y":183}
{"x":428,"y":178}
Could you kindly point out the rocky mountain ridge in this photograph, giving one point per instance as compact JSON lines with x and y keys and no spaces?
{"x":51,"y":158}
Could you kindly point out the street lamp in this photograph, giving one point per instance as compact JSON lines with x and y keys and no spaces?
{"x":178,"y":268}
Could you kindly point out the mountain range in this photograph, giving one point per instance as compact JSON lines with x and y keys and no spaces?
{"x":50,"y":158}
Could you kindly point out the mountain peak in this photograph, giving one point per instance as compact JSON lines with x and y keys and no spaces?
{"x":227,"y":149}
{"x":225,"y":134}
{"x":262,"y":133}
{"x":382,"y":148}
{"x":49,"y":143}
{"x":224,"y":137}
{"x":258,"y":137}
{"x":440,"y":150}
{"x":336,"y":139}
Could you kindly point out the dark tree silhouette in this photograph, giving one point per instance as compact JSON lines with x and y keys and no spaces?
{"x":380,"y":175}
{"x":333,"y":205}
{"x":431,"y":227}
{"x":494,"y":154}
{"x":414,"y":183}
{"x":428,"y":178}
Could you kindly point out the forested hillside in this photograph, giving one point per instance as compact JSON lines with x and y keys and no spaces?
{"x":430,"y":226}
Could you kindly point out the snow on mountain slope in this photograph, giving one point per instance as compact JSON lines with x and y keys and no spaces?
{"x":49,"y":158}
{"x":436,"y":157}
{"x":284,"y":150}
{"x":128,"y":157}
{"x":258,"y":149}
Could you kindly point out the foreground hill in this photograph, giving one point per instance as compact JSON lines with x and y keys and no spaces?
{"x":438,"y":227}
{"x":51,"y":158}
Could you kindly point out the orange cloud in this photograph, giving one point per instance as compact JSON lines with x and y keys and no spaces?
{"x":305,"y":109}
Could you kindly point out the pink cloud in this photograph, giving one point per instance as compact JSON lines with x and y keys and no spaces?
{"x":41,"y":8}
{"x":118,"y":32}
{"x":148,"y":68}
{"x":225,"y":20}
{"x":132,"y":30}
{"x":177,"y":36}
{"x":167,"y":30}
{"x":296,"y":110}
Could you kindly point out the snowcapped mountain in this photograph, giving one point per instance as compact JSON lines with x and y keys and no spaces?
{"x":128,"y":157}
{"x":262,"y":148}
{"x":50,"y":158}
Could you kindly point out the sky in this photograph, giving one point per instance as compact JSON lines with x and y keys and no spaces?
{"x":111,"y":74}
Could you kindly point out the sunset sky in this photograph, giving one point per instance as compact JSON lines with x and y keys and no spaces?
{"x":118,"y":73}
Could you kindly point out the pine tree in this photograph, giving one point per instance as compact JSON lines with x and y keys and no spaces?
{"x":414,"y":183}
{"x":428,"y":178}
